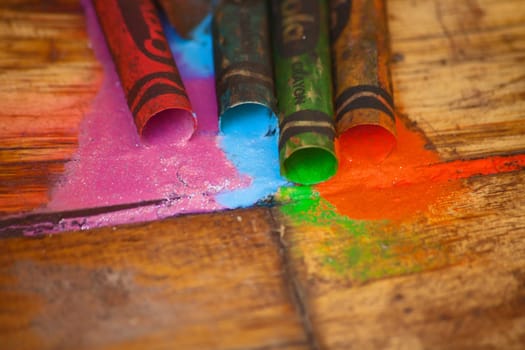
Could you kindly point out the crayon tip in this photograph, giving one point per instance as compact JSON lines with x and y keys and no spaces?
{"x":248,"y":119}
{"x":367,"y":143}
{"x":310,"y":165}
{"x":169,"y":127}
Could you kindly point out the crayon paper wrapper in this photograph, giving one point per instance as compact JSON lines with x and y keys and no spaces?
{"x":304,"y":90}
{"x":361,"y":55}
{"x":145,"y":65}
{"x":243,"y":64}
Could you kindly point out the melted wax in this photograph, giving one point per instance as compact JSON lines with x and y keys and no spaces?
{"x":113,"y":166}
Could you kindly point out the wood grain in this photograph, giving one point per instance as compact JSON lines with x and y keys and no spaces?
{"x":48,"y":79}
{"x":198,"y":282}
{"x":460,"y":73}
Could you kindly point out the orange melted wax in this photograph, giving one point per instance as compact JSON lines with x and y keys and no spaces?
{"x":379,"y":179}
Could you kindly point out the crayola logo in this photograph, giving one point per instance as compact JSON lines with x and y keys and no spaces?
{"x":297,"y":26}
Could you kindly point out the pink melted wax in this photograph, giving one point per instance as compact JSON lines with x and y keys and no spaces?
{"x":114,"y":166}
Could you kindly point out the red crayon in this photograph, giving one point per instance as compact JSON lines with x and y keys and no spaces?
{"x":144,"y":63}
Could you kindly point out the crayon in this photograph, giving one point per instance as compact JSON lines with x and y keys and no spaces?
{"x":304,"y":90}
{"x":242,"y":55}
{"x":361,"y":55}
{"x":184,"y":15}
{"x":145,"y":65}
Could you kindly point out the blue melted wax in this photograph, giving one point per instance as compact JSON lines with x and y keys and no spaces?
{"x":249,"y":133}
{"x":194,"y":56}
{"x":249,"y":139}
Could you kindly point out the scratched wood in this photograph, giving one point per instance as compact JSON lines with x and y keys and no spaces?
{"x":449,"y":281}
{"x":460,"y":73}
{"x":209,"y":281}
{"x":198,"y":282}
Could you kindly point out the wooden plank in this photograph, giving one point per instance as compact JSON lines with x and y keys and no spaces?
{"x":197,"y":282}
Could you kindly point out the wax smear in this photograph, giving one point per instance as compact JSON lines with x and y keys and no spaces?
{"x":114,"y":167}
{"x":194,"y":56}
{"x":249,"y":138}
{"x":404,"y":183}
{"x":335,"y":246}
{"x":360,"y":225}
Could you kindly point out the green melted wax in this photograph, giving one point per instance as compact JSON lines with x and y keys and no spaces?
{"x":354,"y":250}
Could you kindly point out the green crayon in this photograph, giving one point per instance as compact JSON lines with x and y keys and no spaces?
{"x":242,"y":56}
{"x":304,"y":90}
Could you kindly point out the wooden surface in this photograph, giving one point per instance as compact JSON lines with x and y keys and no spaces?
{"x":198,"y":282}
{"x":255,"y":278}
{"x":454,"y":284}
{"x":49,"y":77}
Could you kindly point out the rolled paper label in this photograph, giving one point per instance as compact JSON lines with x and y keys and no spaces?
{"x":304,"y":90}
{"x":185,"y":15}
{"x":361,"y":55}
{"x":145,"y":65}
{"x":243,"y":64}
